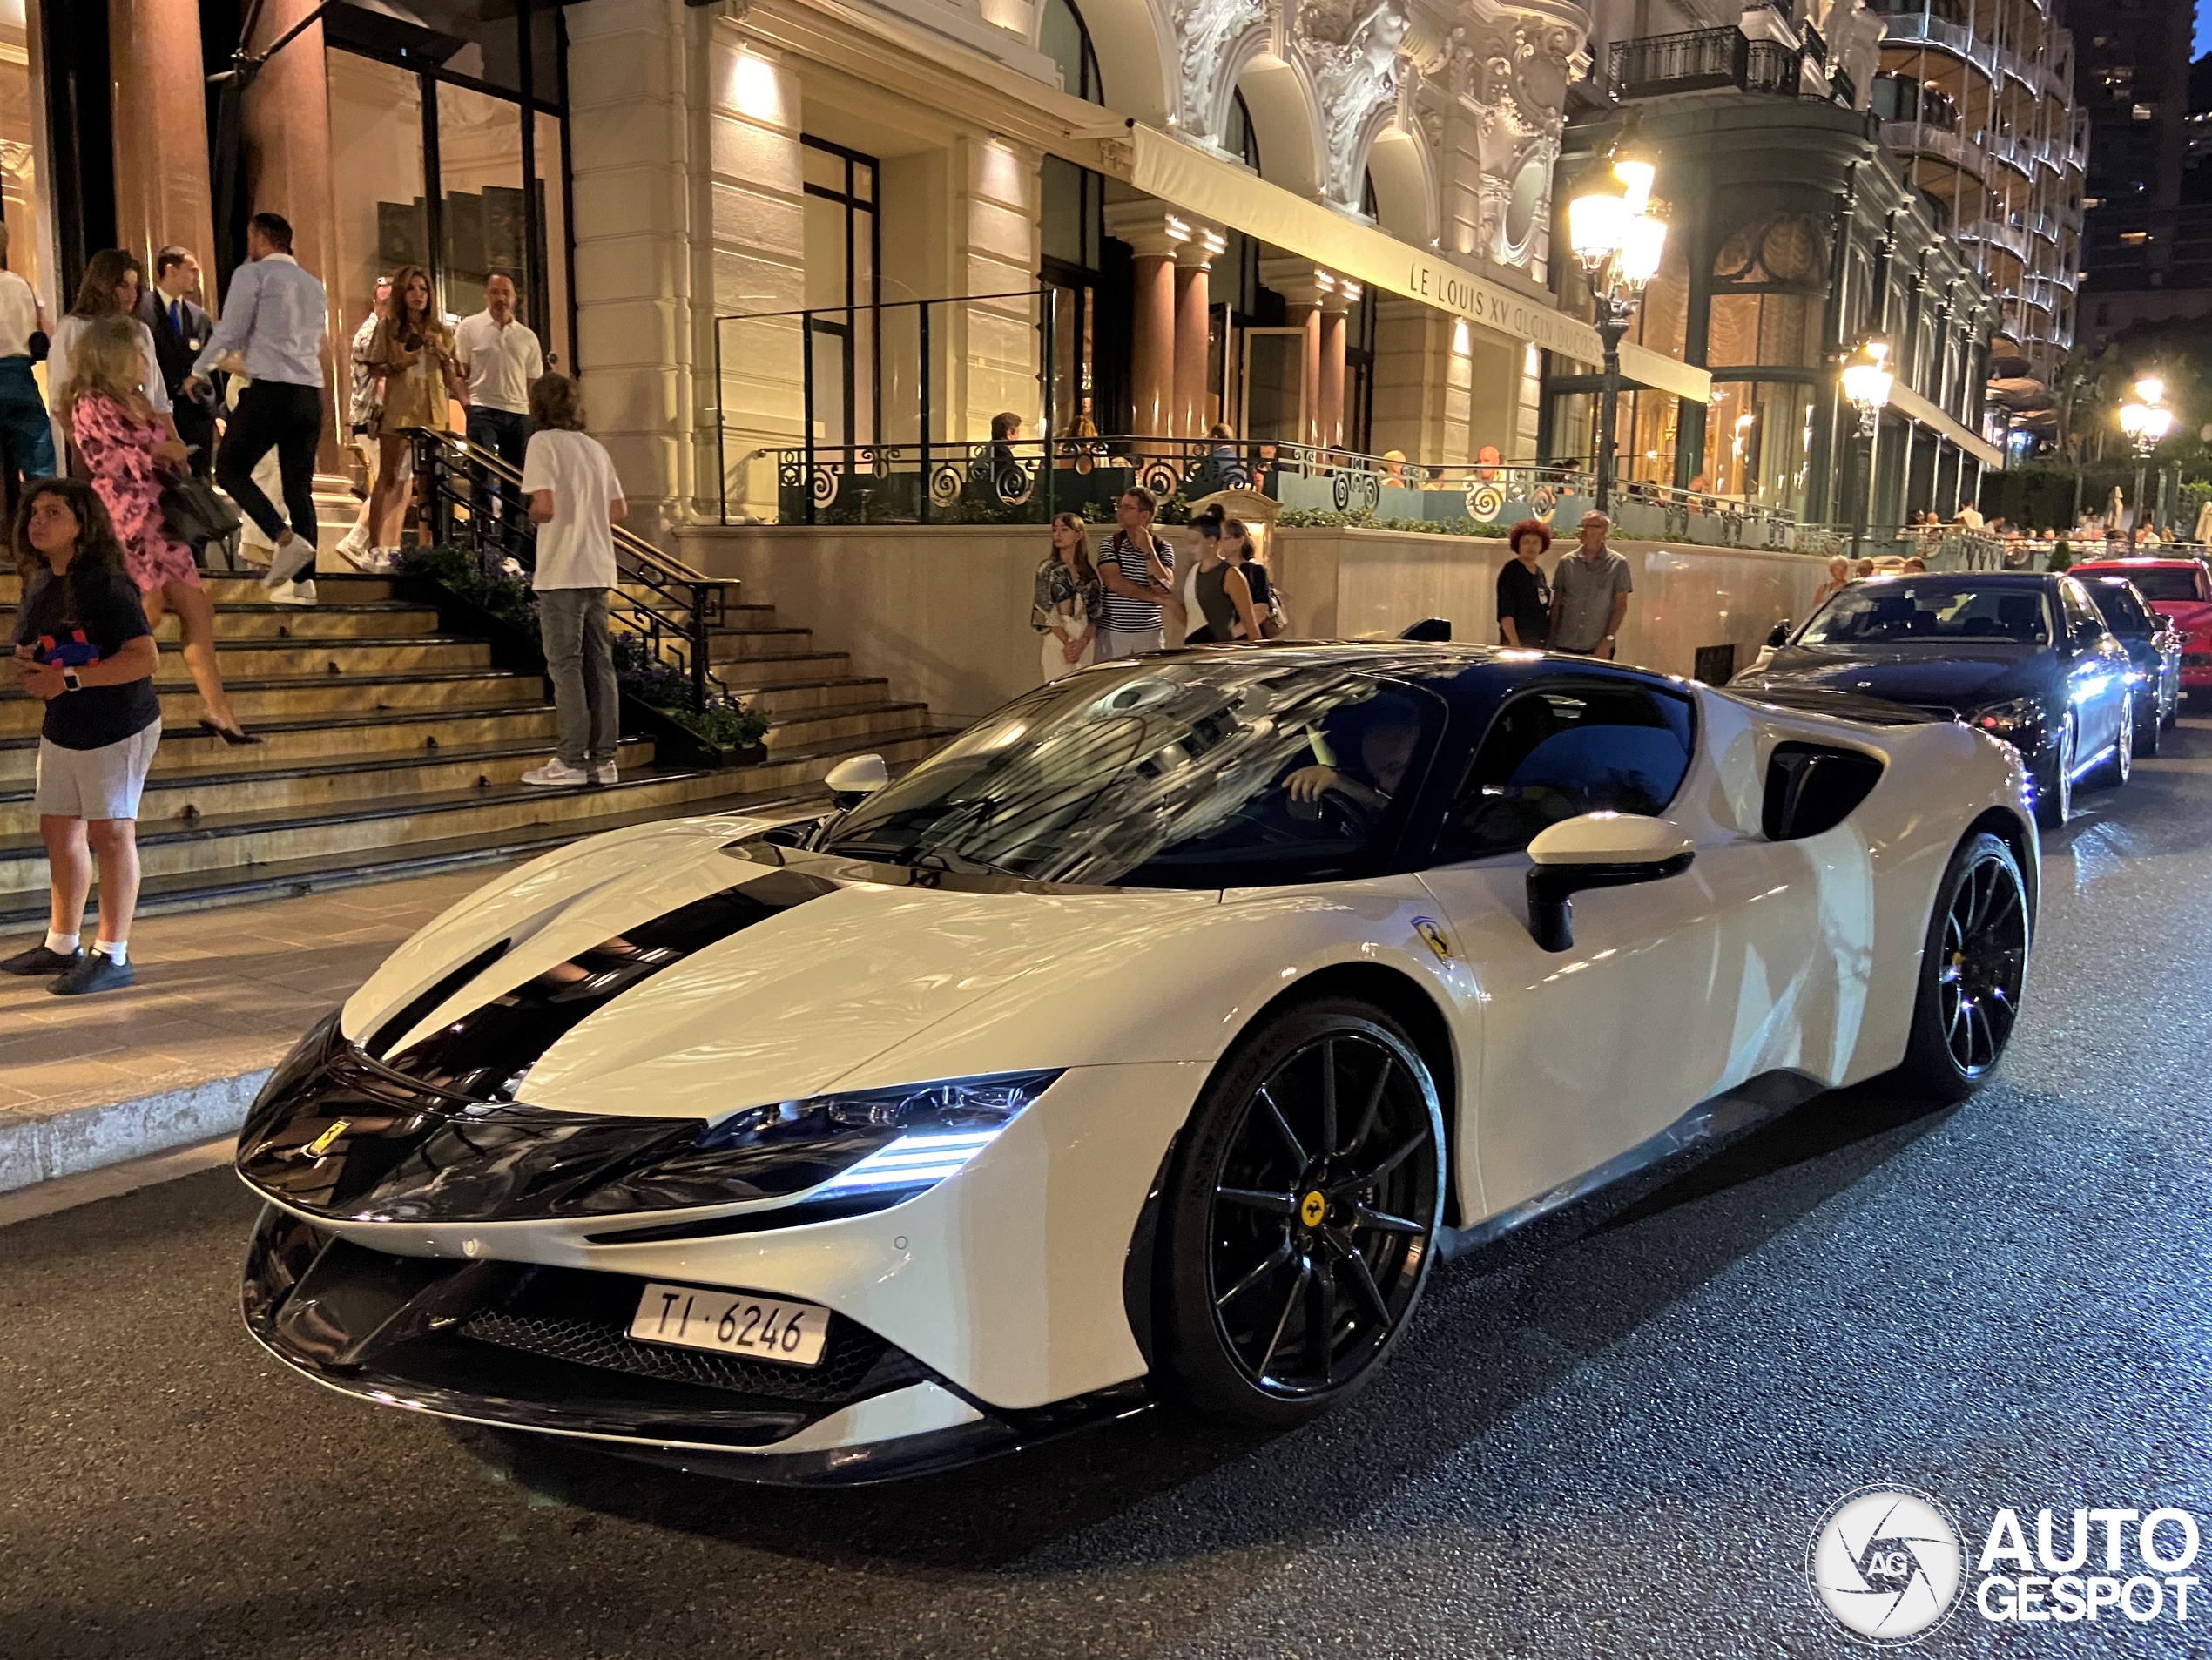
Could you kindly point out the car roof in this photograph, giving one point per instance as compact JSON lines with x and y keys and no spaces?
{"x":1993,"y":578}
{"x":2138,"y":563}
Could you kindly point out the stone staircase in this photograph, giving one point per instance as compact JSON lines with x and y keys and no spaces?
{"x":392,"y":749}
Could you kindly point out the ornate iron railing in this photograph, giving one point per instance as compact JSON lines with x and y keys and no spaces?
{"x":1942,"y":546}
{"x":1009,"y":482}
{"x":672,"y":609}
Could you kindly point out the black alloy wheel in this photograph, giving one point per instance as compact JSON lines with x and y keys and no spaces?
{"x":1303,"y":1216}
{"x":2054,"y":794}
{"x":1973,"y":972}
{"x":2120,"y":765}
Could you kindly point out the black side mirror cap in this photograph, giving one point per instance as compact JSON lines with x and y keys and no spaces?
{"x":1780,"y":637}
{"x":1552,"y":889}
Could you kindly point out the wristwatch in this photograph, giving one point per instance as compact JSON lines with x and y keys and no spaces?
{"x":69,"y":682}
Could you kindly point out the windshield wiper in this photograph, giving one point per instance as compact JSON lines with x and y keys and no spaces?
{"x":922,"y":859}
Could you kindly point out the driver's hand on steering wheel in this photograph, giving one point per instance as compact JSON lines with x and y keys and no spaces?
{"x":1310,"y":783}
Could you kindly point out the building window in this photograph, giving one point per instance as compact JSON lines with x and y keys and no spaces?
{"x":1064,"y":38}
{"x":844,"y":253}
{"x":458,"y":168}
{"x":1072,"y":238}
{"x":1238,"y":137}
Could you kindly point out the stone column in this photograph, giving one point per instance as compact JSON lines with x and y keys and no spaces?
{"x":1156,"y":236}
{"x":162,"y":191}
{"x":285,"y":124}
{"x":1193,"y":311}
{"x":1333,"y":307}
{"x":636,"y":90}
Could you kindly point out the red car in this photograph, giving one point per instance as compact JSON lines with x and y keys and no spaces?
{"x":2178,"y":590}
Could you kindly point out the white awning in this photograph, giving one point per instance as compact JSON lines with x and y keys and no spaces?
{"x":1185,"y":176}
{"x":1910,"y":403}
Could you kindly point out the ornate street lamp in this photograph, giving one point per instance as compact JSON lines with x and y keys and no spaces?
{"x":1866,"y":384}
{"x":1618,"y":235}
{"x":2146,"y":421}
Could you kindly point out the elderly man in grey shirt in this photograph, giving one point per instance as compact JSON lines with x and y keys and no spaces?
{"x":1590,"y":593}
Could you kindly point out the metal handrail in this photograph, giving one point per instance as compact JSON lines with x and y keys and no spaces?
{"x":678,"y":610}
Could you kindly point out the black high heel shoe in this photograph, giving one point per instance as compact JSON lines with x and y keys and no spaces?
{"x":234,"y":739}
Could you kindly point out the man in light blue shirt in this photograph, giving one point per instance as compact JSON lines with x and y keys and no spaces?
{"x":273,"y":317}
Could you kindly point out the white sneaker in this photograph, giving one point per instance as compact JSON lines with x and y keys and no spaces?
{"x":556,"y":774}
{"x":605,"y":772}
{"x":292,"y":593}
{"x":292,"y":558}
{"x":355,"y":543}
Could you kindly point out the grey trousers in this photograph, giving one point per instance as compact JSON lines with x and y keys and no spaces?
{"x":572,"y":623}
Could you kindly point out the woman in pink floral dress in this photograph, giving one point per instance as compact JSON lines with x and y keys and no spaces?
{"x":129,"y":452}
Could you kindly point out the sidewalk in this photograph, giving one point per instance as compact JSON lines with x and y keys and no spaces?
{"x":222,"y":995}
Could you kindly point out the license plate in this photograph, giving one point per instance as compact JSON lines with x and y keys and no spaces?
{"x":761,"y":1329}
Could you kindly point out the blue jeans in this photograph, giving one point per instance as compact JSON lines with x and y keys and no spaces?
{"x":507,"y":436}
{"x":26,"y":435}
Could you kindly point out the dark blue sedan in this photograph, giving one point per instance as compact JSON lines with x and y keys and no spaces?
{"x":2154,"y":646}
{"x":2025,"y":656}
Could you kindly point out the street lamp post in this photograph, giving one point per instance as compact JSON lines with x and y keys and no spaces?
{"x":2146,"y":421}
{"x":1618,"y":237}
{"x":1866,"y":385}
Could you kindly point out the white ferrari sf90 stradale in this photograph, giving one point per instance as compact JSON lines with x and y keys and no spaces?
{"x":1150,"y":1042}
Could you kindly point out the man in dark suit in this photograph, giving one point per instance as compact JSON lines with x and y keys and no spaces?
{"x":171,"y":309}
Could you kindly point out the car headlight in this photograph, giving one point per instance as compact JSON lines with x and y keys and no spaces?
{"x":2018,"y":717}
{"x":881,"y":1145}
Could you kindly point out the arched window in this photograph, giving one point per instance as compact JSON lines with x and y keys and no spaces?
{"x":1367,"y":195}
{"x":1064,"y":38}
{"x":1237,"y":138}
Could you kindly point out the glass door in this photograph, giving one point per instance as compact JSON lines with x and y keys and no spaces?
{"x":1274,"y":390}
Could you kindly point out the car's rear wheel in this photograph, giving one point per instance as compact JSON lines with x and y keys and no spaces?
{"x":1974,"y":971}
{"x":2118,"y":765}
{"x":2054,"y":791}
{"x":1301,"y":1218}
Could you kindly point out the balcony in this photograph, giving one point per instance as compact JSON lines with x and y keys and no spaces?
{"x":1913,"y":138}
{"x":1698,"y":60}
{"x":1918,"y":28}
{"x":2011,"y":238}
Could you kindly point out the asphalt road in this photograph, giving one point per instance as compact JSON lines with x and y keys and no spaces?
{"x":1614,"y":1435}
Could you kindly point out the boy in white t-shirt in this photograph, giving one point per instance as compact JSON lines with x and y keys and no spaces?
{"x":575,"y":500}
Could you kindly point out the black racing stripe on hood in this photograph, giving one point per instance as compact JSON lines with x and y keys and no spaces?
{"x":411,"y":1013}
{"x":484,"y":1054}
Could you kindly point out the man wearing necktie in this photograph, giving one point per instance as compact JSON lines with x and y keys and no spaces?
{"x":171,"y":309}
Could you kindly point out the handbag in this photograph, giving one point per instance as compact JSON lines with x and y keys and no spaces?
{"x":197,"y":513}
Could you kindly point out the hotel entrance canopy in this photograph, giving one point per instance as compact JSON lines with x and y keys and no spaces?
{"x":1185,"y":176}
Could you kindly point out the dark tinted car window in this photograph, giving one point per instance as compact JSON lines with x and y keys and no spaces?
{"x":2082,"y":622}
{"x":1908,"y":610}
{"x":2173,"y":583}
{"x":2124,"y":612}
{"x":1568,"y":748}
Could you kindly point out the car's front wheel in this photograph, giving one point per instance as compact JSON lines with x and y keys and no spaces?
{"x":1974,"y":970}
{"x":1301,"y":1218}
{"x":2054,"y":793}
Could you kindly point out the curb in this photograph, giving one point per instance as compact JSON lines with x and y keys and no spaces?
{"x":74,"y":1139}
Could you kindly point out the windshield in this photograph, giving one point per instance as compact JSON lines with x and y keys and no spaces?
{"x":2171,"y":582}
{"x":1220,"y":772}
{"x":1913,"y":610}
{"x":2124,"y":612}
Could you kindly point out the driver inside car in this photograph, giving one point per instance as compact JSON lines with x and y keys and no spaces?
{"x":1386,"y":750}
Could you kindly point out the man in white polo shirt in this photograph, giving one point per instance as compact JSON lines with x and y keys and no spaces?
{"x":502,"y":358}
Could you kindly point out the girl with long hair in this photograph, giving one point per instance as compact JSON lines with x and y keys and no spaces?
{"x":82,"y":647}
{"x":113,"y":280}
{"x":1068,"y":599}
{"x":412,"y":357}
{"x":130,"y":457}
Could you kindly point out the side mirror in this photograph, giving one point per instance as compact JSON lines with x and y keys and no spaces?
{"x":855,"y":778}
{"x":1596,"y":850}
{"x":1780,"y":637}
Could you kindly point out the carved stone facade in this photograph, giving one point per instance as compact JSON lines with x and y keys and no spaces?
{"x":1473,"y":94}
